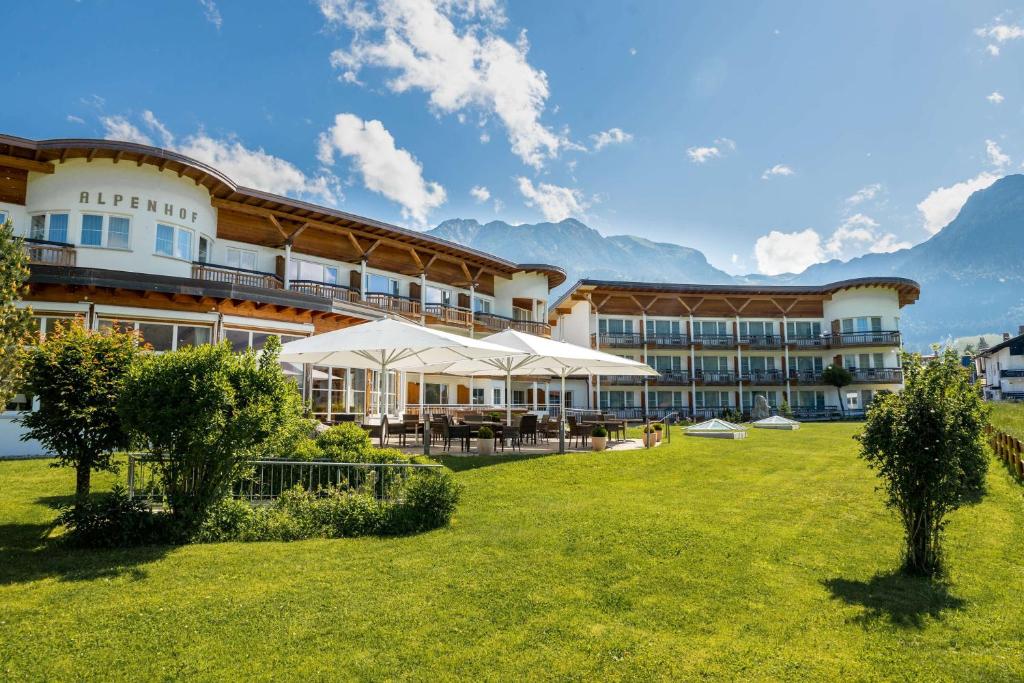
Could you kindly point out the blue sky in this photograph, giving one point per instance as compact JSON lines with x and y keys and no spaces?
{"x":770,"y":136}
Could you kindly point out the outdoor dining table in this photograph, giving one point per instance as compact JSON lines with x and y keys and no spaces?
{"x":616,"y":426}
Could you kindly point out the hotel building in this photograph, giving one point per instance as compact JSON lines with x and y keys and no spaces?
{"x":717,"y":347}
{"x":130,"y":235}
{"x":1001,"y":366}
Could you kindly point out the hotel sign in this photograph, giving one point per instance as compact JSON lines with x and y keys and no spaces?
{"x":121,"y":201}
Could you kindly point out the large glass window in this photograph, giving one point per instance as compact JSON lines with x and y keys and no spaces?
{"x":615,"y":326}
{"x":481,"y":305}
{"x":756,"y":328}
{"x":712,"y":399}
{"x":381,"y":284}
{"x":803,"y":329}
{"x":713,"y":363}
{"x":710,"y":328}
{"x":92,"y":230}
{"x":183,"y":244}
{"x":667,"y":399}
{"x":164,"y":240}
{"x":617,"y":399}
{"x":37,"y":231}
{"x":174,"y":241}
{"x":810,"y":399}
{"x":662,"y":328}
{"x":163,"y":336}
{"x":436,"y":295}
{"x":478,"y":396}
{"x":316,"y":272}
{"x":204,"y":249}
{"x":241,"y":258}
{"x":665,"y":363}
{"x":52,"y":227}
{"x":864,"y":324}
{"x":118,"y":232}
{"x":435,"y":394}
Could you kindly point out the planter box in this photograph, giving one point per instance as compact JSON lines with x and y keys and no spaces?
{"x":599,"y":443}
{"x":485,"y":446}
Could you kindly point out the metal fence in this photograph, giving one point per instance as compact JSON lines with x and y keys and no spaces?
{"x":266,"y":480}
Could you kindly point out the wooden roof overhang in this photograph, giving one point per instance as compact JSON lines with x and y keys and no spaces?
{"x":716,"y":301}
{"x":309,"y":228}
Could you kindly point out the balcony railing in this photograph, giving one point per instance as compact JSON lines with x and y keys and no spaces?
{"x":672,"y":378}
{"x":877,"y":375}
{"x":805,"y":376}
{"x":764,"y":377}
{"x":1011,"y":373}
{"x":236,"y":276}
{"x":668,"y":341}
{"x":450,"y":315}
{"x":716,"y":378}
{"x":43,"y":252}
{"x":617,"y":340}
{"x":762,"y":341}
{"x":325,"y":290}
{"x":876,"y":338}
{"x":499,"y":322}
{"x":807,"y":342}
{"x":393,"y":303}
{"x":622,"y":380}
{"x":722,"y":341}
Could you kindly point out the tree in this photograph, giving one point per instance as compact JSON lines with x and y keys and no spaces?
{"x":205,"y":411}
{"x":77,"y":375}
{"x":15,"y":322}
{"x":927,"y":445}
{"x":982,"y":344}
{"x":837,"y":376}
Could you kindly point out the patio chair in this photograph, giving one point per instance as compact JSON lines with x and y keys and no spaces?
{"x":400,"y":430}
{"x":378,"y":431}
{"x":528,"y":428}
{"x":513,"y":435}
{"x":577,"y":431}
{"x":451,"y":431}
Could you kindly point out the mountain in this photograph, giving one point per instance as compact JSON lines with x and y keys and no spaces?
{"x":584,"y":252}
{"x":971,"y":272}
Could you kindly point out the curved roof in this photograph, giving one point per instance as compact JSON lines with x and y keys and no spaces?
{"x":42,"y":152}
{"x":908,"y":290}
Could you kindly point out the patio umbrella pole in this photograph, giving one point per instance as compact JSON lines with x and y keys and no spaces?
{"x":561,"y":417}
{"x":508,"y":395}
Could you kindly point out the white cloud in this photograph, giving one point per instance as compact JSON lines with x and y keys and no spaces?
{"x":612,"y":136}
{"x":451,"y":50}
{"x":995,"y":98}
{"x":944,"y":203}
{"x":992,"y":50}
{"x":385,"y":168}
{"x":252,"y":168}
{"x":864,"y":194}
{"x":480,"y":193}
{"x":777,"y":170}
{"x":787,"y":252}
{"x":71,"y":118}
{"x":555,"y":202}
{"x":120,"y":128}
{"x":700,"y":155}
{"x":498,"y":205}
{"x":996,"y":157}
{"x":1000,"y":32}
{"x":859,"y":234}
{"x":485,"y":137}
{"x":211,"y":13}
{"x":632,"y":52}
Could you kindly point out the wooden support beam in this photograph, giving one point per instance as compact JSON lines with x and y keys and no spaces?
{"x":417,"y":259}
{"x":90,"y":155}
{"x":273,"y":221}
{"x":296,"y":232}
{"x":141,"y":160}
{"x":377,"y":243}
{"x":117,"y":155}
{"x":26,"y":164}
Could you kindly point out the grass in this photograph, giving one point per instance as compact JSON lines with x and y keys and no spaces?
{"x":1009,"y":417}
{"x":770,"y":558}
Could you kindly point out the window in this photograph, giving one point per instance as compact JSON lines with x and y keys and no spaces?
{"x":316,"y":272}
{"x":518,"y":397}
{"x":436,"y":295}
{"x":481,"y":305}
{"x":710,"y":328}
{"x":757,"y":364}
{"x":806,"y":364}
{"x":478,"y":396}
{"x":381,"y":284}
{"x":662,"y":328}
{"x":52,"y":227}
{"x":750,"y":398}
{"x":3,"y":217}
{"x":118,"y":232}
{"x":241,"y":258}
{"x":757,"y":328}
{"x":665,"y":363}
{"x":865,"y":324}
{"x":174,"y":241}
{"x":615,"y":326}
{"x":712,"y":399}
{"x":435,"y":394}
{"x":496,"y":395}
{"x":810,"y":399}
{"x":163,"y":336}
{"x":713,"y":363}
{"x":204,"y":249}
{"x":803,"y":329}
{"x":21,"y":402}
{"x":92,"y":230}
{"x":667,"y":399}
{"x":617,"y":399}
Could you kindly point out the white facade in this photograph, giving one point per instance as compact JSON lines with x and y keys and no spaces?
{"x":1002,"y":369}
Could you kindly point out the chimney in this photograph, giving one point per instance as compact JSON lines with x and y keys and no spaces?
{"x":1006,"y":336}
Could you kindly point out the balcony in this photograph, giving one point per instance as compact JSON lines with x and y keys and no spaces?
{"x":622,"y":380}
{"x":235,"y":276}
{"x":393,"y":303}
{"x":617,"y":340}
{"x":671,"y":379}
{"x":876,"y":338}
{"x":667,"y":341}
{"x":805,"y":376}
{"x":764,"y":377}
{"x":718,"y":341}
{"x":44,"y":253}
{"x":877,"y":376}
{"x":807,"y":343}
{"x":715,"y":378}
{"x":762,"y":341}
{"x":498,"y":323}
{"x":1003,"y":374}
{"x":448,"y":315}
{"x":325,"y":290}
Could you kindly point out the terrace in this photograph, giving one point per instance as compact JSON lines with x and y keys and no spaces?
{"x":46,"y":253}
{"x":877,"y":376}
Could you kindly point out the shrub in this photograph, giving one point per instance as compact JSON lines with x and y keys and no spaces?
{"x":228,"y":519}
{"x":927,"y":445}
{"x":599,"y":431}
{"x":15,"y":321}
{"x":114,"y":521}
{"x":343,"y":442}
{"x":306,"y":449}
{"x":485,"y":433}
{"x":426,"y":501}
{"x":785,"y":410}
{"x":837,"y":376}
{"x":658,"y":426}
{"x":206,"y":411}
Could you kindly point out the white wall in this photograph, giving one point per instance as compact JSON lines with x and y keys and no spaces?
{"x":861,"y":302}
{"x":520,"y":285}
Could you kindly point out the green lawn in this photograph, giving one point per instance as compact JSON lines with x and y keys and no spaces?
{"x":1009,"y":417}
{"x":769,"y":558}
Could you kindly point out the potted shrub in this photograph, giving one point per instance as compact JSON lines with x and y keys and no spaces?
{"x":599,"y":438}
{"x":657,"y":431}
{"x":649,"y":436}
{"x":485,"y":441}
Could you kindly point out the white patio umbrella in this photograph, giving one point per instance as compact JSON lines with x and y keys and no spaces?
{"x":542,"y":356}
{"x":385,"y":345}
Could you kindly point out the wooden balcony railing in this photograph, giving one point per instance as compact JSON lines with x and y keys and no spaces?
{"x":808,"y":342}
{"x":325,"y":290}
{"x":236,"y":276}
{"x":670,"y":379}
{"x":449,"y":315}
{"x":877,"y":376}
{"x":500,"y":322}
{"x":877,"y":338}
{"x":805,"y":376}
{"x":762,"y":341}
{"x":42,"y":252}
{"x":393,"y":303}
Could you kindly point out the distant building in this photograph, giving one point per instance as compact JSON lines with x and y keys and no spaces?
{"x":1002,"y":368}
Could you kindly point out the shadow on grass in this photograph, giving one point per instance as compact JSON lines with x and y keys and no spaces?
{"x":901,"y":599}
{"x":461,"y":463}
